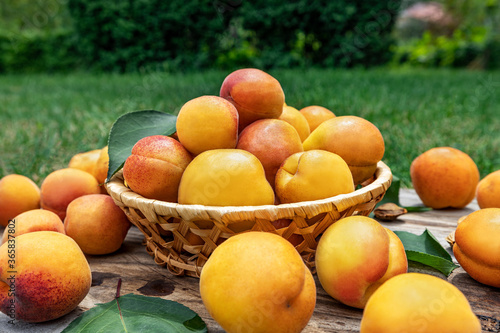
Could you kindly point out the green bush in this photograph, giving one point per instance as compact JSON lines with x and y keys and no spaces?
{"x":38,"y":51}
{"x":129,"y":35}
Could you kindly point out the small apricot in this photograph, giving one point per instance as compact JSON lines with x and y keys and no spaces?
{"x":31,"y":221}
{"x":18,"y":194}
{"x":315,"y":115}
{"x":488,"y":191}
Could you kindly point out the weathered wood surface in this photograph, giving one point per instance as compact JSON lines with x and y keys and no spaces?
{"x":140,"y":275}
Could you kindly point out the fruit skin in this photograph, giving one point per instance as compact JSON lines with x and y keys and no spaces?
{"x":207,"y":122}
{"x":292,"y":116}
{"x":18,"y":194}
{"x":356,"y":140}
{"x":312,"y":175}
{"x":85,"y":161}
{"x":96,"y":224}
{"x":417,"y":302}
{"x":62,"y":186}
{"x":444,"y":177}
{"x":31,"y":221}
{"x":271,"y":141}
{"x":100,"y":171}
{"x":488,"y":191}
{"x":155,"y":167}
{"x":255,"y":94}
{"x":315,"y":115}
{"x":355,"y":256}
{"x":275,"y":290}
{"x":225,"y":177}
{"x":477,"y":248}
{"x":52,"y":276}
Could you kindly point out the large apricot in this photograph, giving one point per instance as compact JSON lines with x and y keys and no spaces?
{"x":225,"y":177}
{"x":155,"y":167}
{"x":477,"y":245}
{"x":488,"y":191}
{"x":271,"y":141}
{"x":357,"y":140}
{"x":257,"y":282}
{"x":312,"y":175}
{"x":444,"y":177}
{"x":356,"y":255}
{"x":315,"y":115}
{"x":51,"y":276}
{"x":62,"y":186}
{"x":416,"y":302}
{"x":207,"y":122}
{"x":31,"y":221}
{"x":18,"y":194}
{"x":254,"y":93}
{"x":96,"y":224}
{"x":292,"y":116}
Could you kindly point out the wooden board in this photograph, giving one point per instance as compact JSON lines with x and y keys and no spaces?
{"x":141,"y":275}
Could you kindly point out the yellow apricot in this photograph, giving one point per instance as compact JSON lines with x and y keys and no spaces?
{"x":315,"y":115}
{"x":488,"y":191}
{"x":292,"y":116}
{"x":18,"y":194}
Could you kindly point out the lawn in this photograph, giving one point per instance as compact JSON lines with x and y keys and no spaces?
{"x":46,"y":119}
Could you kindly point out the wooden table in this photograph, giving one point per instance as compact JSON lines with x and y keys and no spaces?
{"x":140,"y":275}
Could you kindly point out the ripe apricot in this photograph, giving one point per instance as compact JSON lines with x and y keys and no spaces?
{"x":292,"y":116}
{"x":312,"y":175}
{"x":155,"y":167}
{"x":488,"y":191}
{"x":416,"y":302}
{"x":477,"y":247}
{"x":62,"y":186}
{"x":315,"y":115}
{"x":18,"y":194}
{"x":85,"y":161}
{"x":444,"y":177}
{"x":357,"y":140}
{"x":207,"y":122}
{"x":31,"y":221}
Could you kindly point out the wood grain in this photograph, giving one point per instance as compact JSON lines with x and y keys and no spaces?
{"x":141,"y":275}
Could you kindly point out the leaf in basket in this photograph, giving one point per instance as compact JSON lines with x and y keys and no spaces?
{"x":137,"y":313}
{"x":426,"y":250}
{"x":130,"y":128}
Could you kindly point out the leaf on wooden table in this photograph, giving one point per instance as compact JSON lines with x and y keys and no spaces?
{"x":136,"y":313}
{"x":130,"y":128}
{"x":426,"y":250}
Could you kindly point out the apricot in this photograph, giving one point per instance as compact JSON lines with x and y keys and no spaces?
{"x":85,"y":161}
{"x":292,"y":116}
{"x":207,"y":122}
{"x":356,"y":255}
{"x":315,"y":115}
{"x":255,"y":94}
{"x":477,"y":247}
{"x":62,"y":186}
{"x":312,"y":175}
{"x":51,"y":276}
{"x":100,"y":171}
{"x":416,"y":302}
{"x":155,"y":167}
{"x":444,"y":177}
{"x":271,"y":141}
{"x":18,"y":194}
{"x":225,"y":177}
{"x":96,"y":224}
{"x":357,"y":140}
{"x":31,"y":221}
{"x":257,"y":282}
{"x":488,"y":191}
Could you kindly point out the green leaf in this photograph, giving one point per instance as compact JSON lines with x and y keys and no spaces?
{"x":130,"y":128}
{"x":137,"y":313}
{"x":426,"y":250}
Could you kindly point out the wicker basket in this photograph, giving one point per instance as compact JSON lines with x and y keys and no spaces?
{"x":182,"y":237}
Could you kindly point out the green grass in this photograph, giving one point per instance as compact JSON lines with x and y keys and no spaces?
{"x":46,"y":119}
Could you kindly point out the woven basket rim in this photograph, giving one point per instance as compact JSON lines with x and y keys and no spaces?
{"x":124,"y":196}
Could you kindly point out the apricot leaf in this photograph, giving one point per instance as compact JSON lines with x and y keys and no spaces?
{"x":138,"y":313}
{"x":426,"y":249}
{"x":130,"y":128}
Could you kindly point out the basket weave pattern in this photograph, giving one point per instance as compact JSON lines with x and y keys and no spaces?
{"x":182,"y":237}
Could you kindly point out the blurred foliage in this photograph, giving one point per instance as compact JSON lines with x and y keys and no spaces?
{"x":474,"y":42}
